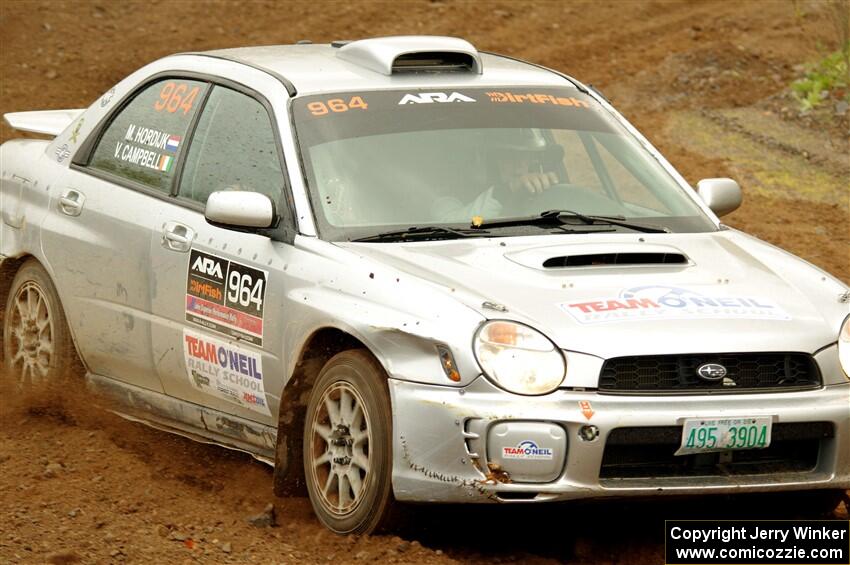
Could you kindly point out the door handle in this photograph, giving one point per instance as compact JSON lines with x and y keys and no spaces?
{"x":177,"y":237}
{"x":71,"y":203}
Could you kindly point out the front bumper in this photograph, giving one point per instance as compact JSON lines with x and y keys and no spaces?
{"x":439,"y":431}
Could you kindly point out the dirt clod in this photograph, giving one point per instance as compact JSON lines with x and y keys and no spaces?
{"x":265,"y":519}
{"x":63,"y":558}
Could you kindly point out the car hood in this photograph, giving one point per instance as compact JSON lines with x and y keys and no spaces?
{"x":732,"y":292}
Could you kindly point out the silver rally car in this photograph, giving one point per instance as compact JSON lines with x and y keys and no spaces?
{"x":401,"y":269}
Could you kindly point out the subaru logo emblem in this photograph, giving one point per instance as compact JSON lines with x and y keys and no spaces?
{"x":711,"y":372}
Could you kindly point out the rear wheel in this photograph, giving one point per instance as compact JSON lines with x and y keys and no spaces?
{"x":37,"y":345}
{"x":348,"y":445}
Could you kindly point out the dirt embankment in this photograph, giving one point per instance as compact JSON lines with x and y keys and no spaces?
{"x":704,"y":81}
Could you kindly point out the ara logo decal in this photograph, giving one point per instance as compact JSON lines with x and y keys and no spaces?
{"x":431,"y":97}
{"x":527,"y":450}
{"x":226,"y":296}
{"x":208,"y":266}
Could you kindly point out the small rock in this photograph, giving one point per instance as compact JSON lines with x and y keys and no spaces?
{"x":403,"y":546}
{"x":265,"y":519}
{"x":439,"y":552}
{"x":227,"y":547}
{"x":361,"y":555}
{"x":73,"y":513}
{"x":47,"y":26}
{"x":51,"y":74}
{"x":162,"y":531}
{"x":840,"y":110}
{"x":177,"y":536}
{"x":52,"y":470}
{"x":115,"y":553}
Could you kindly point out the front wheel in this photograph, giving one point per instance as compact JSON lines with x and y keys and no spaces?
{"x":348,"y":445}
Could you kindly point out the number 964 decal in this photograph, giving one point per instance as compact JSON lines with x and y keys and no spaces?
{"x":226,"y":296}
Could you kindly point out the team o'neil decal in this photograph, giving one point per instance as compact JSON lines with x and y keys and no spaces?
{"x":225,"y":370}
{"x":226,"y":296}
{"x":527,"y":449}
{"x":671,"y":302}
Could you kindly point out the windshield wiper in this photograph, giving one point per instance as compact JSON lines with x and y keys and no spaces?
{"x":557,"y":217}
{"x":423,"y":232}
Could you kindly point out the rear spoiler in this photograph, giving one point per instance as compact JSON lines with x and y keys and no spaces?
{"x":48,"y":122}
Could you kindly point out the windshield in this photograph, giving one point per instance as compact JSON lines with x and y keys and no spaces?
{"x":382,"y":160}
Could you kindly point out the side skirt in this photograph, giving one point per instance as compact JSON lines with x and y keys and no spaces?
{"x":189,"y":420}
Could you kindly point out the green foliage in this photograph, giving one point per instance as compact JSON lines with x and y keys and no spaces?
{"x":825,"y":79}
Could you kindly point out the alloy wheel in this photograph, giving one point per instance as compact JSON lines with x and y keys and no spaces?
{"x":339,"y":450}
{"x":32,"y":335}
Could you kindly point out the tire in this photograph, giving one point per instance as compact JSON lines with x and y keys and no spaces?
{"x":348,"y":445}
{"x":37,"y":344}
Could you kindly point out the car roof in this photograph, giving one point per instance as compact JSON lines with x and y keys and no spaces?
{"x":318,"y":68}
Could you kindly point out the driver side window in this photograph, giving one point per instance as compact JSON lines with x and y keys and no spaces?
{"x":233,"y":148}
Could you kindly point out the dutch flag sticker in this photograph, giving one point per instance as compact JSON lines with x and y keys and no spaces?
{"x":173,"y":143}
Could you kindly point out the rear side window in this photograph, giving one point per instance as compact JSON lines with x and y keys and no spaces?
{"x":145,"y":140}
{"x":233,"y":148}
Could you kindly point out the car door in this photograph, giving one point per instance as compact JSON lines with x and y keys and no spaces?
{"x":218,"y":323}
{"x":97,"y":238}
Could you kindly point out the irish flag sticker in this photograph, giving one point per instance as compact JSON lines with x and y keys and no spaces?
{"x":165,"y":163}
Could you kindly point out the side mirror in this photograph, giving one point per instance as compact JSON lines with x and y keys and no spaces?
{"x":240,"y":209}
{"x":722,"y":195}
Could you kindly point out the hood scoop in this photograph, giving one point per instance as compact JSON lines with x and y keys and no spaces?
{"x":604,"y":259}
{"x":588,"y":256}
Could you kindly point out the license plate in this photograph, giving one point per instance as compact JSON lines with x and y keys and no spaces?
{"x":700,"y":435}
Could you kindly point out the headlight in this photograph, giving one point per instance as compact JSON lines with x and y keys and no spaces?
{"x":844,"y":346}
{"x":518,"y":358}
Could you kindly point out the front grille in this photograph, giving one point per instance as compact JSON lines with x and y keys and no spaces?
{"x":632,"y":453}
{"x":678,"y":373}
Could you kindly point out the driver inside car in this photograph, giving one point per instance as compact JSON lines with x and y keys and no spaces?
{"x":515,"y":163}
